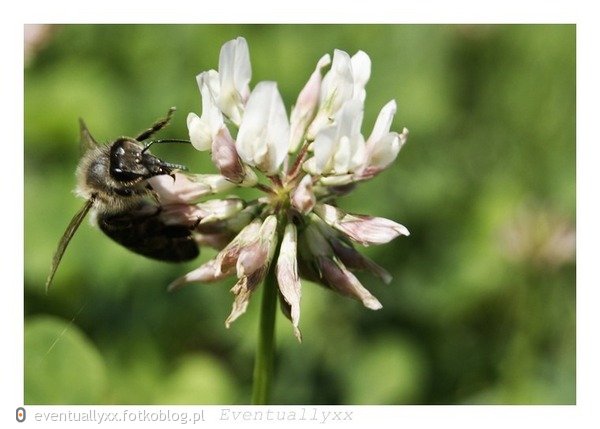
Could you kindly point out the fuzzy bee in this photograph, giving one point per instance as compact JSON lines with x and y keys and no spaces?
{"x":113,"y":179}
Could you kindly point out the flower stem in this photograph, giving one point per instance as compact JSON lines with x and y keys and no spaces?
{"x":265,"y":352}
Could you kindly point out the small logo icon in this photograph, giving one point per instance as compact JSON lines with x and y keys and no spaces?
{"x":20,"y":414}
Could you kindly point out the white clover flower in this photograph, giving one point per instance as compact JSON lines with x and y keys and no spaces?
{"x":302,"y":167}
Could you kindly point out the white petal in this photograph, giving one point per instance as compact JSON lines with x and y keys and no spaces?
{"x":234,"y":74}
{"x":338,"y":83}
{"x":324,"y":147}
{"x":341,"y":157}
{"x":204,"y":129}
{"x":263,"y":137}
{"x":199,"y":132}
{"x":361,"y":72}
{"x":339,"y":148}
{"x":384,"y":151}
{"x":383,"y":122}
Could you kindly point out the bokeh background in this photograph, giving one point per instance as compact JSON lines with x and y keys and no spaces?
{"x":482,"y":306}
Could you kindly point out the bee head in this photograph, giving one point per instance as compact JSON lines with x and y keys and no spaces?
{"x":130,"y":161}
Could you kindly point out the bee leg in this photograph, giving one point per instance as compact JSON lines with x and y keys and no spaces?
{"x":157,"y":126}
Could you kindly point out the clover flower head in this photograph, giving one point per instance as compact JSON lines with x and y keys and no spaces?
{"x":302,"y":165}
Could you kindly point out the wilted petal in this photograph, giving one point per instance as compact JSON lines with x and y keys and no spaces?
{"x":263,"y":138}
{"x":228,"y":256}
{"x":337,"y":277}
{"x":258,"y":254}
{"x":243,"y":290}
{"x":360,"y":228}
{"x":234,"y":74}
{"x":313,"y":241}
{"x":304,"y":110}
{"x":287,"y":275}
{"x":286,"y":309}
{"x":354,"y":260}
{"x":206,"y":273}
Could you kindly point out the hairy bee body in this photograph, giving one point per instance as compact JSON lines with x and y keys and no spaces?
{"x":113,"y":179}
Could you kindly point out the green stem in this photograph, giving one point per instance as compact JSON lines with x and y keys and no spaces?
{"x":265,"y":353}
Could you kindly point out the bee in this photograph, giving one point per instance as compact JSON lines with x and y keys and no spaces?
{"x":113,"y":179}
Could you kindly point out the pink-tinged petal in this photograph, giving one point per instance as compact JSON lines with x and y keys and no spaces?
{"x":306,"y":105}
{"x":263,"y":138}
{"x":337,"y":87}
{"x":181,"y":214}
{"x":180,"y":189}
{"x":303,"y":198}
{"x":226,"y":159}
{"x":381,"y":154}
{"x":220,"y":209}
{"x":361,"y":228}
{"x":185,"y":189}
{"x":337,"y":277}
{"x":234,"y":74}
{"x":287,"y":275}
{"x":251,"y":258}
{"x":217,"y":240}
{"x":206,"y":273}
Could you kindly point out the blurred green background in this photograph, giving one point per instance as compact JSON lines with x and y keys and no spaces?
{"x":482,"y":306}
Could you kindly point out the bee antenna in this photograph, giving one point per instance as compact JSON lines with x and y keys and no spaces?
{"x":150,"y":143}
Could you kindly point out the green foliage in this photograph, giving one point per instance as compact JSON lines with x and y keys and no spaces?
{"x":62,"y":366}
{"x":482,"y":306}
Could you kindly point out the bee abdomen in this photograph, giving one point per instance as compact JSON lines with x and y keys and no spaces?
{"x":146,"y":234}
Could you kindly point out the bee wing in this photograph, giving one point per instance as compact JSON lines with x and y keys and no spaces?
{"x":66,"y":238}
{"x":86,"y":141}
